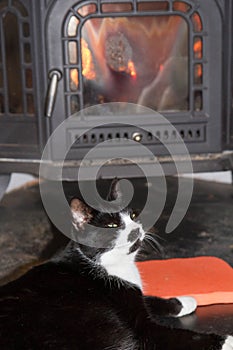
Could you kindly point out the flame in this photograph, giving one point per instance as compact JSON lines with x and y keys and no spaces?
{"x":131,"y":69}
{"x":140,"y":34}
{"x":197,"y":48}
{"x":199,"y":71}
{"x":197,"y":22}
{"x":74,"y":79}
{"x":88,"y":70}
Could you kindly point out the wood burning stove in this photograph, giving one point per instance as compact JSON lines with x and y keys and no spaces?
{"x":58,"y":57}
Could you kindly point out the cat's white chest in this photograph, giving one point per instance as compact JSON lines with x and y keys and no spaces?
{"x":117,"y":263}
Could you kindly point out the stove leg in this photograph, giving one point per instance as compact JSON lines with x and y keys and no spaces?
{"x":4,"y":181}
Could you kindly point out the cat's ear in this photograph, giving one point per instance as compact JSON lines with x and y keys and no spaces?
{"x":81,"y":213}
{"x":114,"y":191}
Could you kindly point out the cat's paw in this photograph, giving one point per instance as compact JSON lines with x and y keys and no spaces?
{"x":189,"y":305}
{"x":228,"y":345}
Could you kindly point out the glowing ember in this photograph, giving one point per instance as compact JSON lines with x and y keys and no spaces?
{"x":131,"y":69}
{"x":88,"y":70}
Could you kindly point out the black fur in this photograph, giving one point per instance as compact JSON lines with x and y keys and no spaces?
{"x":72,"y":303}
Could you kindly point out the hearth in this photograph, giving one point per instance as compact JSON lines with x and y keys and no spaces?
{"x":58,"y":57}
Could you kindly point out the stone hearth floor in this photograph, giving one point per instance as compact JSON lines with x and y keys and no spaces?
{"x":27,"y":238}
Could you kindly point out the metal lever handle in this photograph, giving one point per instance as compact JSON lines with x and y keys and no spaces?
{"x":54,"y":77}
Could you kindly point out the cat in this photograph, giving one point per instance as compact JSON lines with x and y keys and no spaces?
{"x":89,"y":298}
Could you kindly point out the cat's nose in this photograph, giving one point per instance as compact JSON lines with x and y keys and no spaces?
{"x":134,"y":234}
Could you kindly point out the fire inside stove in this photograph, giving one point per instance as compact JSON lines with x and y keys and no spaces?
{"x":136,"y":59}
{"x":139,"y":59}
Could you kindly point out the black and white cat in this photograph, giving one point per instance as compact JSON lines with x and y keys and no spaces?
{"x":91,"y":299}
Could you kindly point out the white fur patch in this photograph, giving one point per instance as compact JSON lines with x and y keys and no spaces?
{"x":79,"y":218}
{"x":189,"y":305}
{"x":117,"y":261}
{"x":228,"y":345}
{"x":130,"y":225}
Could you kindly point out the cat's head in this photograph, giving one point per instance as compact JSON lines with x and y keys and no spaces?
{"x":105,"y":229}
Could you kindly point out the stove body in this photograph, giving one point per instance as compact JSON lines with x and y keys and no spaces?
{"x":58,"y":57}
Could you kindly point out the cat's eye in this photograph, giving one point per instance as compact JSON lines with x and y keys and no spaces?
{"x":112,"y":225}
{"x":133,"y":215}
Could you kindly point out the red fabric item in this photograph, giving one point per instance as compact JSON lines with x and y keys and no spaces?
{"x":208,"y":279}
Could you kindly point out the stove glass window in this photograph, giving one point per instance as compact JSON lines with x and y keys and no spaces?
{"x":16,"y":74}
{"x":141,"y":59}
{"x":137,"y":52}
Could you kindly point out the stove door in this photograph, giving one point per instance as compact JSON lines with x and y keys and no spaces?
{"x":182,"y":87}
{"x":18,"y":106}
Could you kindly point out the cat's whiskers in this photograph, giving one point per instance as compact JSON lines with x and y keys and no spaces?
{"x":151,"y":240}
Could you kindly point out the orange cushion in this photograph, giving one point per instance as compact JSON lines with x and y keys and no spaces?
{"x":208,"y":279}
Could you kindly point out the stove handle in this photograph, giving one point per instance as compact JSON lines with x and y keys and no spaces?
{"x":54,"y":76}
